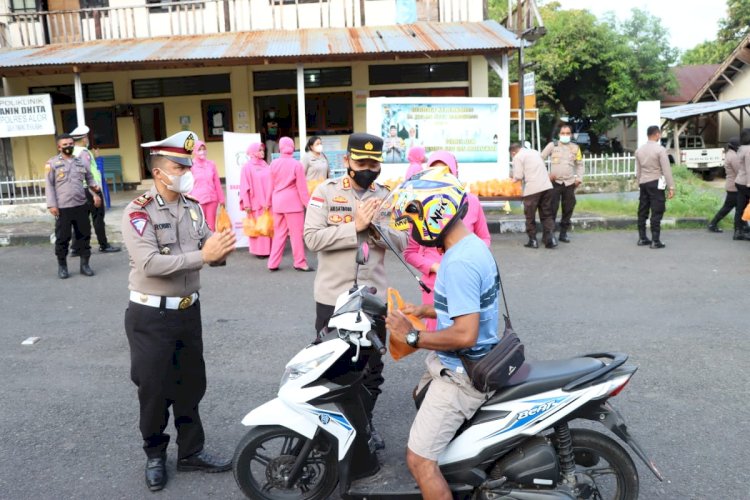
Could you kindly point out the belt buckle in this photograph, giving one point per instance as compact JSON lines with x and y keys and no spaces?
{"x":185,"y":302}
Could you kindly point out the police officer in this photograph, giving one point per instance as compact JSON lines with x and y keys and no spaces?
{"x":651,"y":163}
{"x":168,"y":240}
{"x":66,"y":200}
{"x":566,"y":175}
{"x":337,"y":221}
{"x":528,"y":167}
{"x":81,"y":150}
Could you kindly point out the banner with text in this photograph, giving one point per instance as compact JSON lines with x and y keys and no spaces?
{"x":26,"y":115}
{"x":235,"y":156}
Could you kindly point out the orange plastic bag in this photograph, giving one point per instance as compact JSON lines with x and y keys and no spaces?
{"x":746,"y":213}
{"x":264,"y":224}
{"x":399,"y":349}
{"x":249,"y":227}
{"x":223,"y":221}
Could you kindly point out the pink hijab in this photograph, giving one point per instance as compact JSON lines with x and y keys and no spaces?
{"x":444,"y":157}
{"x":196,"y":159}
{"x":286,"y":146}
{"x":252,"y":154}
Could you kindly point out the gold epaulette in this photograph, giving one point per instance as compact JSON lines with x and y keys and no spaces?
{"x":143,"y":200}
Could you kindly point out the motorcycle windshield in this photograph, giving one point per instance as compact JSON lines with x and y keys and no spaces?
{"x":388,"y":217}
{"x":354,"y":304}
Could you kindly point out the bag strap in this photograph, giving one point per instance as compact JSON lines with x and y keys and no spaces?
{"x":502,"y":291}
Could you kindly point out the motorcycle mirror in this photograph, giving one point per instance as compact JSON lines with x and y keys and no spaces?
{"x":363,"y":254}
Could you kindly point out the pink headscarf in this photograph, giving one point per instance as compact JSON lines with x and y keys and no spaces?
{"x":445,"y":157}
{"x":286,"y":146}
{"x":196,"y":159}
{"x":252,"y":154}
{"x":416,"y":155}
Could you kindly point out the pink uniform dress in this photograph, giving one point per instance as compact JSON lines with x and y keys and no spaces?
{"x":255,"y":193}
{"x":416,"y":158}
{"x":207,"y":189}
{"x":423,"y":258}
{"x":289,"y":198}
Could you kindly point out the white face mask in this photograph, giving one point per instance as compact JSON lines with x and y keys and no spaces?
{"x":318,"y":148}
{"x":180,"y":183}
{"x":565,"y":139}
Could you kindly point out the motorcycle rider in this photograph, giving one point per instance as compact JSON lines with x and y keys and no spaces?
{"x":431,"y":205}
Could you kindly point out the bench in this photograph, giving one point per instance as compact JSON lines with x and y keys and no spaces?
{"x":113,"y":170}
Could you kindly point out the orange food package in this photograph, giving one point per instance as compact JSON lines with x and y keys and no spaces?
{"x":264,"y":224}
{"x":248,"y":227}
{"x":222,"y":219}
{"x":399,"y":349}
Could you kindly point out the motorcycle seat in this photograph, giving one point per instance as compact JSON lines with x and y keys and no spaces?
{"x":535,"y":377}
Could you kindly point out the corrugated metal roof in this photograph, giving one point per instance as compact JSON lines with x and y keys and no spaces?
{"x":694,"y":109}
{"x":271,"y":45}
{"x":689,"y":80}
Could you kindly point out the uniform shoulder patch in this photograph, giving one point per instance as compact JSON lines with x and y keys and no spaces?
{"x":316,"y":202}
{"x":143,"y":199}
{"x":47,"y":167}
{"x":138,"y":220}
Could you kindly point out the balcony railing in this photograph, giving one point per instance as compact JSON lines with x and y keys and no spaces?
{"x":28,"y":29}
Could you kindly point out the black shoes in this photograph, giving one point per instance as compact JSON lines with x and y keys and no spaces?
{"x":203,"y":461}
{"x":156,"y":473}
{"x":85,"y":269}
{"x":551,"y":242}
{"x":532,"y":244}
{"x":738,"y":235}
{"x":713,"y":228}
{"x":109,"y":249}
{"x":644,"y":242}
{"x":564,"y":237}
{"x":62,"y":271}
{"x":273,"y":269}
{"x":657,"y":244}
{"x":307,"y":269}
{"x":376,"y":440}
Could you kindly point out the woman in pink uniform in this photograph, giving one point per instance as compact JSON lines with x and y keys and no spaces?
{"x":288,"y":201}
{"x":255,"y":194}
{"x":416,"y":157}
{"x":427,"y":260}
{"x":207,"y":189}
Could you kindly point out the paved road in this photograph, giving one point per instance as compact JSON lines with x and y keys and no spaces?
{"x":68,"y":412}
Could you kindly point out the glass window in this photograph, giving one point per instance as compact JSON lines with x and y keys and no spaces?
{"x":65,"y":94}
{"x":90,"y":4}
{"x":314,"y":78}
{"x":325,"y":114}
{"x":101,"y":121}
{"x":381,"y":74}
{"x":164,"y":8}
{"x":24,"y":6}
{"x":190,"y":85}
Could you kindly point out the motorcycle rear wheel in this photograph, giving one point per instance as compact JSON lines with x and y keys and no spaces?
{"x":604,"y":470}
{"x":266,"y":454}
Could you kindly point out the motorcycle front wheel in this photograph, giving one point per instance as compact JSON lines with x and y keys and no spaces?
{"x":604,"y":470}
{"x":265,"y":457}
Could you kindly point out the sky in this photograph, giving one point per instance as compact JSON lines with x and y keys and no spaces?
{"x":689,"y":22}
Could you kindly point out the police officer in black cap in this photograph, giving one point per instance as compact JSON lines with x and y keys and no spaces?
{"x":168,"y":240}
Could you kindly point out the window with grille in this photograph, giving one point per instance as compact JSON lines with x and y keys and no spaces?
{"x":314,"y":78}
{"x":101,"y":121}
{"x":183,"y":85}
{"x":65,"y":94}
{"x":382,"y":74}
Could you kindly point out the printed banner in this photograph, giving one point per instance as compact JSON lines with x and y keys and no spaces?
{"x":235,"y":156}
{"x":26,"y":115}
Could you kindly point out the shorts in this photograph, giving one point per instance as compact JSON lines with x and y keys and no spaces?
{"x":451,"y":399}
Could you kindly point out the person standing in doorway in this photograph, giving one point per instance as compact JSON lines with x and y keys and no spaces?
{"x":289,"y":198}
{"x":654,"y":177}
{"x":566,"y":175}
{"x":65,"y":176}
{"x":207,"y":189}
{"x":255,"y":195}
{"x":271,"y":133}
{"x":528,"y":167}
{"x":81,"y":150}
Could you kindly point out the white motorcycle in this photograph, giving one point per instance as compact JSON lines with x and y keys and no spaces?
{"x":518,"y":445}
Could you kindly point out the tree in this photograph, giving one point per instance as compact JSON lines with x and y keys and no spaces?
{"x":732,"y":29}
{"x":708,"y":52}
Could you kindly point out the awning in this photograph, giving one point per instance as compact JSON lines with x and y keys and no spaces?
{"x":695,"y":109}
{"x":418,"y":40}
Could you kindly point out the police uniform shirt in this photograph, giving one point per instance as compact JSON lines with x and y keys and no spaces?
{"x":330,"y":230}
{"x":164,"y":241}
{"x":651,"y":162}
{"x":528,"y":167}
{"x":731,"y":167}
{"x":567,"y":162}
{"x":64,"y":178}
{"x":743,"y":166}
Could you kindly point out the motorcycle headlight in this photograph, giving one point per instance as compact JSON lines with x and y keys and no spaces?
{"x":297,"y":370}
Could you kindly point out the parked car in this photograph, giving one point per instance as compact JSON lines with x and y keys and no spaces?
{"x":583,"y":139}
{"x":708,"y":162}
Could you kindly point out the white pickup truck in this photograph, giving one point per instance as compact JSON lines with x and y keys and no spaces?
{"x":709,"y":162}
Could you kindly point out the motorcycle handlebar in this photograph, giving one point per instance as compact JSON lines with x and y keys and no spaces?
{"x":372,"y":336}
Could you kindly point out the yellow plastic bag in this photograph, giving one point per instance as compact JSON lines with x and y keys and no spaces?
{"x":399,"y":349}
{"x":249,"y":226}
{"x":264,"y":224}
{"x":223,"y":221}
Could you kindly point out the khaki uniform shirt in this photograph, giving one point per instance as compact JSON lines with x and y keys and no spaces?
{"x":164,"y":241}
{"x":64,"y":180}
{"x":528,"y":167}
{"x":743,"y":166}
{"x":732,"y":165}
{"x":567,"y":162}
{"x":330,"y":231}
{"x":651,"y":162}
{"x":316,"y":168}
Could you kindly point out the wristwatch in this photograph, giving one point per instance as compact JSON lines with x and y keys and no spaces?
{"x":412,"y":337}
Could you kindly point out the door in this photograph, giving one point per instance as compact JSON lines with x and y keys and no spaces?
{"x":65,"y":26}
{"x":150,"y":126}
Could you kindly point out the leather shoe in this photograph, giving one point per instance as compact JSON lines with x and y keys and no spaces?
{"x":713,"y":228}
{"x":156,"y":473}
{"x":644,"y":242}
{"x":305,"y":269}
{"x":62,"y":271}
{"x":203,"y":461}
{"x":657,"y":244}
{"x":551,"y":243}
{"x":109,"y":249}
{"x":376,"y":440}
{"x":564,"y":238}
{"x":532,"y":244}
{"x":273,"y":269}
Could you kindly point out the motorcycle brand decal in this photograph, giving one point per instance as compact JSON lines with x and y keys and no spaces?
{"x":340,"y":199}
{"x":526,"y":417}
{"x":326,"y":416}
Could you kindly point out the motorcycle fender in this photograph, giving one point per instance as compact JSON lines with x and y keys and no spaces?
{"x":276,"y":412}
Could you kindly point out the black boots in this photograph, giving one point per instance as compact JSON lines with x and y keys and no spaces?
{"x":85,"y":269}
{"x":642,"y":240}
{"x":714,"y":228}
{"x":532,"y":243}
{"x":551,"y":242}
{"x":564,"y":236}
{"x":62,"y":269}
{"x":738,"y":235}
{"x":657,"y":241}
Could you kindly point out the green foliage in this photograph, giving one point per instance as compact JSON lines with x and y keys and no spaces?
{"x":732,"y":29}
{"x":708,"y":52}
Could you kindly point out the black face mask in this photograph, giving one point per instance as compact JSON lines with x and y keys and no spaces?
{"x":363,"y":178}
{"x":67,"y":151}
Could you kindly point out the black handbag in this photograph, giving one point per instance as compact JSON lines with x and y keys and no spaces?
{"x":492,"y":370}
